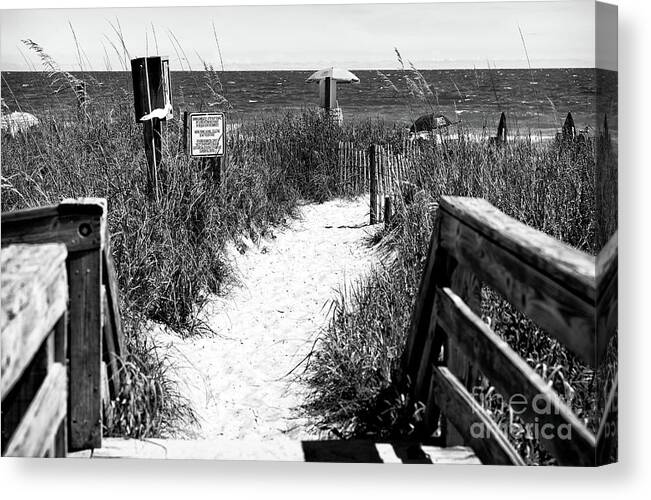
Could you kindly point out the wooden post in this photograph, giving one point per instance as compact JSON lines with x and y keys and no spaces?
{"x":152,"y":131}
{"x":185,"y":131}
{"x":373,"y":197}
{"x":569,"y":130}
{"x":84,"y":275}
{"x":387,"y":211}
{"x":151,"y":92}
{"x":216,"y":169}
{"x":501,"y":129}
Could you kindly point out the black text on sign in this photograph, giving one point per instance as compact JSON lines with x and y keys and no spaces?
{"x":207,"y":134}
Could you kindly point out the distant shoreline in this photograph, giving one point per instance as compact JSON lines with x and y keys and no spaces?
{"x":525,"y":70}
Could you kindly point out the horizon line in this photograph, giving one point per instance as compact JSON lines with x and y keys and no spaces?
{"x":351,"y":68}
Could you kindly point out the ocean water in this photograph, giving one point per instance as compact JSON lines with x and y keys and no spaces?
{"x":535,"y":101}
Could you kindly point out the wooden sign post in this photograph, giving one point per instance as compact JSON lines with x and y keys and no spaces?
{"x":208,"y":139}
{"x":501,"y":129}
{"x":152,"y":97}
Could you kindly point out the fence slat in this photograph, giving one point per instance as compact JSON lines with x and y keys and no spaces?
{"x":373,"y":183}
{"x":366,"y":171}
{"x":109,"y":278}
{"x":39,"y":426}
{"x":568,"y":439}
{"x":112,"y":355}
{"x":347,"y":167}
{"x":466,"y":415}
{"x":358,"y":162}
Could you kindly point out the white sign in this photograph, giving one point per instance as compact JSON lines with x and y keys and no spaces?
{"x":207,"y":134}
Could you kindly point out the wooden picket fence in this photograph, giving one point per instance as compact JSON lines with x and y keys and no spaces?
{"x":387,"y":173}
{"x":62,"y":341}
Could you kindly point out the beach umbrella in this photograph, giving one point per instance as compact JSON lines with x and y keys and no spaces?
{"x":429,"y":122}
{"x":337,"y":74}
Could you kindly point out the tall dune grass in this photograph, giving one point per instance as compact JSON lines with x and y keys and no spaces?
{"x":354,"y":371}
{"x":170,"y":253}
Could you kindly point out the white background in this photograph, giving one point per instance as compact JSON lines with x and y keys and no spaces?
{"x":185,"y":480}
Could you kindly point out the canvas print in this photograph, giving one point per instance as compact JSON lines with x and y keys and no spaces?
{"x":378,"y":233}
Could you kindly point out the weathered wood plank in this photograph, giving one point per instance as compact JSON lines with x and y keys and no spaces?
{"x":34,"y":296}
{"x":571,"y":268}
{"x":39,"y":426}
{"x":465,"y":284}
{"x":18,"y":399}
{"x":512,"y":376}
{"x":106,"y":392}
{"x":419,"y":329}
{"x":109,"y":278}
{"x":566,"y":315}
{"x":85,"y":317}
{"x":76,"y":223}
{"x":347,"y":451}
{"x":469,"y":418}
{"x":110,"y":352}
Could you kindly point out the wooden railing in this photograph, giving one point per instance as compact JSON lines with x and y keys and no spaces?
{"x":93,"y":333}
{"x":564,"y":291}
{"x":34,"y":382}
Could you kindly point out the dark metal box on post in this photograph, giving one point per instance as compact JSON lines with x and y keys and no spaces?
{"x":152,"y":97}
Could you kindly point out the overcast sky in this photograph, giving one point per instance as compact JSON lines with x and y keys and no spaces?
{"x":437,"y":35}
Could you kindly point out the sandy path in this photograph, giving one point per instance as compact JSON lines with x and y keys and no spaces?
{"x":237,"y":381}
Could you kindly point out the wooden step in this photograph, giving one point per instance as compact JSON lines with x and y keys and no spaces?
{"x":282,"y":450}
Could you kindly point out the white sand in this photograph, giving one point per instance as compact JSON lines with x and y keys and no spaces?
{"x":237,"y":381}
